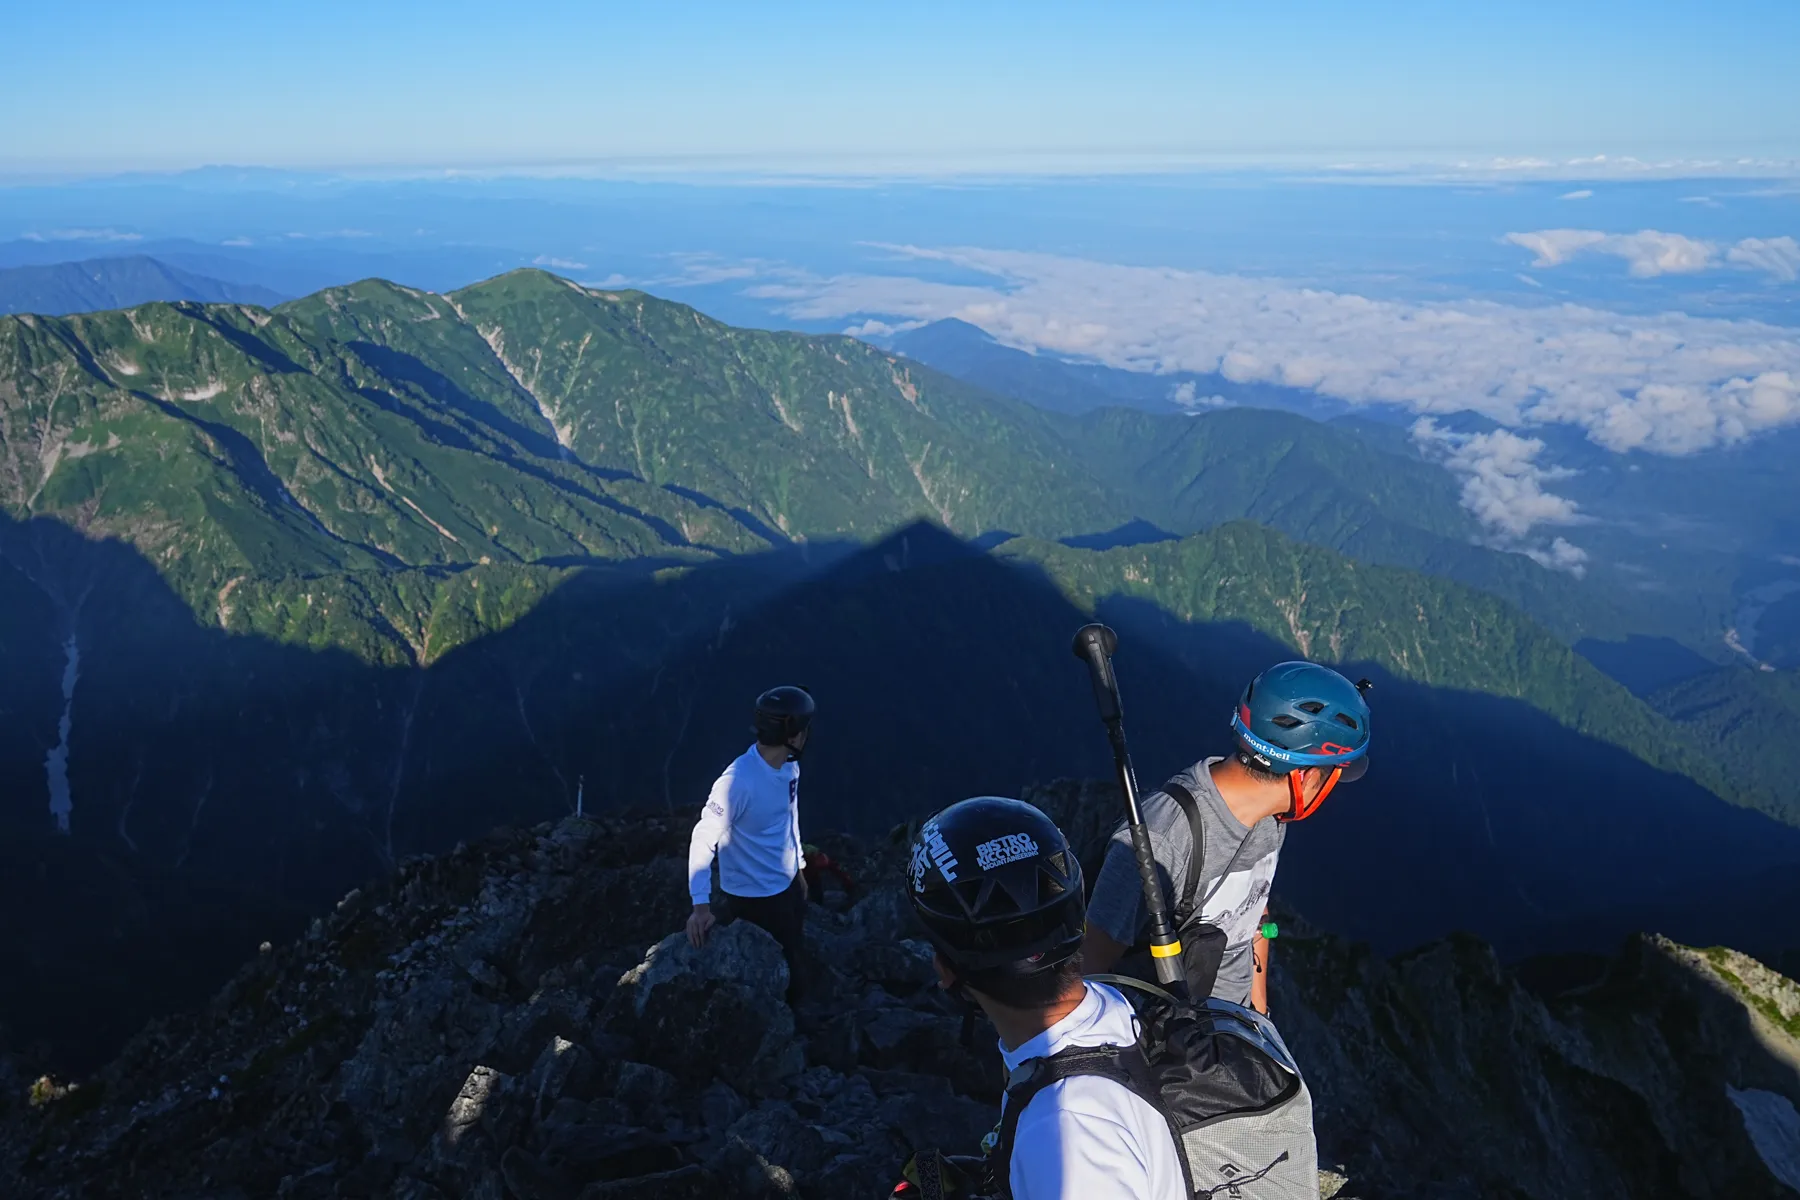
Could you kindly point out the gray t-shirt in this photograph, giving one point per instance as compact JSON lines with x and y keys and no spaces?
{"x":1117,"y":903}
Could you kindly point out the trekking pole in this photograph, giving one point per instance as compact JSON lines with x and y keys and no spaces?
{"x":1095,"y":645}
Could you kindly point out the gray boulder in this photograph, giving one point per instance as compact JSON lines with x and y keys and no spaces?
{"x":718,"y":1011}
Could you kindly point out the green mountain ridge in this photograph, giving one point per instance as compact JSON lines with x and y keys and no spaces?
{"x":1333,"y":609}
{"x":400,"y":473}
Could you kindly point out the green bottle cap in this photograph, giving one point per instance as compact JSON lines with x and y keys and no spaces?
{"x":1271,"y":930}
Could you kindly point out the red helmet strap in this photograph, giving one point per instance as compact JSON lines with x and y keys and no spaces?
{"x":1299,"y":808}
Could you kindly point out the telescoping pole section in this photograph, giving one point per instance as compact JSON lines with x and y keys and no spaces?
{"x":1095,"y":645}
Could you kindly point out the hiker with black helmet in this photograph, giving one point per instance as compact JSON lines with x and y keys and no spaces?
{"x":1000,"y":896}
{"x":1106,"y":1098}
{"x":1301,"y":729}
{"x":751,"y":823}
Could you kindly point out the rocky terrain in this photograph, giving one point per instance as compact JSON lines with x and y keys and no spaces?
{"x":514,"y":1020}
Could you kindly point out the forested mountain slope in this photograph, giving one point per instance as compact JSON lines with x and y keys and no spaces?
{"x":286,"y":596}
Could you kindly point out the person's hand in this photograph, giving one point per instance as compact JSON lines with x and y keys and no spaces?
{"x":699,"y":924}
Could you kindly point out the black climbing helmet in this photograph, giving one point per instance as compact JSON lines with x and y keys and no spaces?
{"x":997,"y":888}
{"x":782,"y":714}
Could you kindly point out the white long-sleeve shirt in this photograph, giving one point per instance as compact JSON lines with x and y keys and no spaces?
{"x":1085,"y":1137}
{"x":752,"y":821}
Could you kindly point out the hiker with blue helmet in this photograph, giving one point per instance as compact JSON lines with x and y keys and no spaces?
{"x":1216,"y":831}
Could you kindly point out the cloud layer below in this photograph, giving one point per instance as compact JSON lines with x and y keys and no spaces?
{"x":1666,"y":384}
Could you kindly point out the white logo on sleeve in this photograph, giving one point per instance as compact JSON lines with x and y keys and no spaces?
{"x":1007,"y":848}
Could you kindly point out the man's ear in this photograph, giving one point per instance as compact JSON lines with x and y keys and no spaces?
{"x":946,"y":976}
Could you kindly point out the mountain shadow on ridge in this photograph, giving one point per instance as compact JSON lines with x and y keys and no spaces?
{"x":226,"y":786}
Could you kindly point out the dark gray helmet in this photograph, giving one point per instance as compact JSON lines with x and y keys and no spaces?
{"x":996,"y":887}
{"x":783,"y":714}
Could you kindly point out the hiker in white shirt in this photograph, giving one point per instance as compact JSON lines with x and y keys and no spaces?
{"x":1000,"y":894}
{"x":751,"y":823}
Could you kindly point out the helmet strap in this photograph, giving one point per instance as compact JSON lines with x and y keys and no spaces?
{"x":1298,"y":807}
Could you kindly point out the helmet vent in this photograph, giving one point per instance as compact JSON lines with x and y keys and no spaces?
{"x":1285,"y":721}
{"x":1347,"y":719}
{"x":1315,"y":707}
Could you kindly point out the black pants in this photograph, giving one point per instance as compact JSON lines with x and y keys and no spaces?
{"x":783,"y":915}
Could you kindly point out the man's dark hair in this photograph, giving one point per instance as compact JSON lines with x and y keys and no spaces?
{"x":1029,"y":991}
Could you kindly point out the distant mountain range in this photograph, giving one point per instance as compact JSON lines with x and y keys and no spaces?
{"x":57,"y":289}
{"x":289,"y":595}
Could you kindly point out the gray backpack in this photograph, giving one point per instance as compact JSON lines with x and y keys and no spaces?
{"x":1220,"y":1075}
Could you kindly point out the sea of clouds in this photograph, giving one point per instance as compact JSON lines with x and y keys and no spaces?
{"x":1667,"y":384}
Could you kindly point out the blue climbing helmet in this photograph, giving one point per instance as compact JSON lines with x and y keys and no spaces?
{"x":1297,"y":715}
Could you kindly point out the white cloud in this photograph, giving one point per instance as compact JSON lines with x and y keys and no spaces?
{"x":1779,"y":257}
{"x":1503,"y":486}
{"x":561,"y":264}
{"x":1612,"y":166}
{"x":615,"y":280}
{"x":1578,"y":194}
{"x":1187,"y":395}
{"x":1559,"y":556}
{"x":1648,"y":252}
{"x":331,"y":235}
{"x":83,"y":235}
{"x":237,"y":241}
{"x":1666,"y":383}
{"x":874,"y":328}
{"x":1651,"y":252}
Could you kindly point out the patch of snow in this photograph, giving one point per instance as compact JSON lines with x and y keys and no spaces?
{"x":205,"y":392}
{"x":124,"y":366}
{"x":56,"y":764}
{"x":1774,"y":1129}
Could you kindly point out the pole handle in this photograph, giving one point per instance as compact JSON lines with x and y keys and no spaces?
{"x":1095,"y":644}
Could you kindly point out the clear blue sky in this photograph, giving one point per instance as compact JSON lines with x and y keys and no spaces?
{"x":104,"y":86}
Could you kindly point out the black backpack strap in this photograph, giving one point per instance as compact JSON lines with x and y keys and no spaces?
{"x":1124,"y":1065}
{"x":1185,"y":907}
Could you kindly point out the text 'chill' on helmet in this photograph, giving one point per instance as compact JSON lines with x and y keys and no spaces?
{"x":782,"y":714}
{"x":997,"y":888}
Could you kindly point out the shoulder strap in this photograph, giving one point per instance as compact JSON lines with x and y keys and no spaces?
{"x":1126,"y":1066}
{"x":1186,"y":908}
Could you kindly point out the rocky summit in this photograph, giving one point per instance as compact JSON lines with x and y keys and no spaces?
{"x":515,"y":1019}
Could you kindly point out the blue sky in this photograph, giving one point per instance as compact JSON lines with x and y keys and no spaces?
{"x":111,"y":86}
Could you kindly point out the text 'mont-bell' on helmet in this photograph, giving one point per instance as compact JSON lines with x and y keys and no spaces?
{"x":1297,"y":715}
